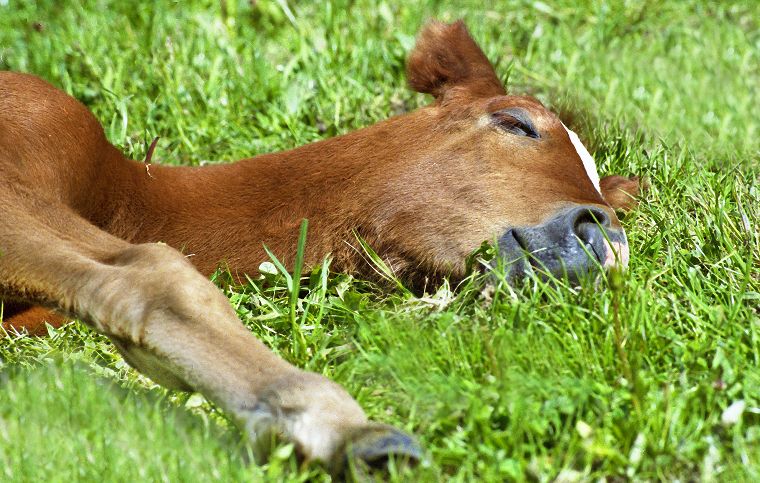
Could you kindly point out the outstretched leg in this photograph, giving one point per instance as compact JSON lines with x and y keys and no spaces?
{"x":172,"y":324}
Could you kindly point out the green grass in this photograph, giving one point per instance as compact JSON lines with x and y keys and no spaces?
{"x":510,"y":386}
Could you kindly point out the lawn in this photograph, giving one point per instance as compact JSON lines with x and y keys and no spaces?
{"x":651,"y":375}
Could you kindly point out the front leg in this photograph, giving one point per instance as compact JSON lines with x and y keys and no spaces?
{"x":174,"y":325}
{"x":185,"y":334}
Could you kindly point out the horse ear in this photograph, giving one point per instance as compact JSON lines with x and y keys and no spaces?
{"x":446,"y":56}
{"x":622,"y":193}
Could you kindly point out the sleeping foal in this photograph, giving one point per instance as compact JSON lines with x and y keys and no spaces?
{"x":79,"y":226}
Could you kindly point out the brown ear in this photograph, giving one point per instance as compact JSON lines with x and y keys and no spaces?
{"x":446,"y":56}
{"x":621,"y":192}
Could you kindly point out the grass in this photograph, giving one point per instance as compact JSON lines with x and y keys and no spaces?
{"x":632,"y":380}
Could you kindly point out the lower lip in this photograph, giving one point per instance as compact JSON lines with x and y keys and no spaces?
{"x":617,"y":254}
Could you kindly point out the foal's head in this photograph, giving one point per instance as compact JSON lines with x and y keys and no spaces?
{"x":479,"y":164}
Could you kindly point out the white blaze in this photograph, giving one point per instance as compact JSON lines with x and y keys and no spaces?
{"x":588,"y":161}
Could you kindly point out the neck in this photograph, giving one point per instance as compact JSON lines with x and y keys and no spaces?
{"x":224,"y":214}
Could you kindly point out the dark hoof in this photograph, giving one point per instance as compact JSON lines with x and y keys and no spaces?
{"x":374,"y":446}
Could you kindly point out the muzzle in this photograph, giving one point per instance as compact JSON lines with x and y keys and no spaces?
{"x":574,"y":244}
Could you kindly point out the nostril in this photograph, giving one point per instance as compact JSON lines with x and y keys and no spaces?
{"x":519,"y":237}
{"x":589,"y":226}
{"x":593,"y":216}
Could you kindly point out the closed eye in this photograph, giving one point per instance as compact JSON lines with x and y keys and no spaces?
{"x":515,"y":121}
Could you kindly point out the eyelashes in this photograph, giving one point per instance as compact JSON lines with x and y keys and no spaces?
{"x":515,"y":121}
